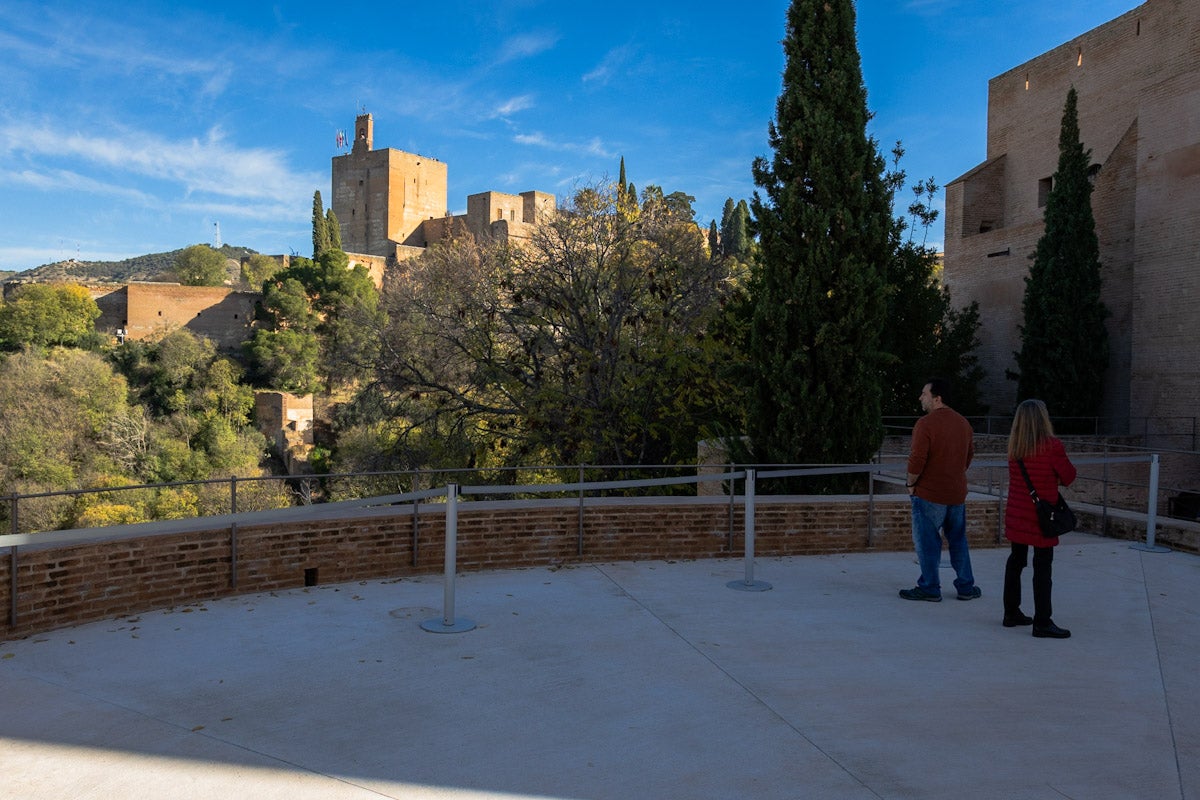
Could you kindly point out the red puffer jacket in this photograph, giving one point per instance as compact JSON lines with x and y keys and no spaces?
{"x":1048,"y":468}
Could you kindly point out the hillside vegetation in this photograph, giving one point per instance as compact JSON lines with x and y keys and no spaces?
{"x":149,"y":267}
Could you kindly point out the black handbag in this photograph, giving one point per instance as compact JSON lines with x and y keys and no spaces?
{"x":1055,"y":519}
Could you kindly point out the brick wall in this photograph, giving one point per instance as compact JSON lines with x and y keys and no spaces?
{"x":69,"y":584}
{"x":220,"y":313}
{"x":1139,"y":115}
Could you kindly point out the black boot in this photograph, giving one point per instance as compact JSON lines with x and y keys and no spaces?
{"x":1013,"y":620}
{"x":1050,"y":631}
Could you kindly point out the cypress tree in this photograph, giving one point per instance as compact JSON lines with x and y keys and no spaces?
{"x":626,"y":194}
{"x":333,"y":230}
{"x":320,"y":233}
{"x":824,"y":223}
{"x":1064,"y":344}
{"x":727,"y":215}
{"x":740,"y":231}
{"x":714,"y":240}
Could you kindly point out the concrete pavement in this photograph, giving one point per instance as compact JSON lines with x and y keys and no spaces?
{"x":628,"y":680}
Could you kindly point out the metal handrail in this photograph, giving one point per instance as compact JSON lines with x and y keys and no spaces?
{"x":450,"y":623}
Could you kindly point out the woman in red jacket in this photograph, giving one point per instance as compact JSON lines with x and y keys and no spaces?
{"x":1032,"y":441}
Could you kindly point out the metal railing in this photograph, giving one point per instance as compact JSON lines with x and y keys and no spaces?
{"x":450,"y":623}
{"x":1181,"y":433}
{"x":748,"y":475}
{"x":69,"y":509}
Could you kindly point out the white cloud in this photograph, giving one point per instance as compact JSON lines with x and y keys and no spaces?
{"x":613,"y":60}
{"x":269,"y":212}
{"x":594,"y":146}
{"x":101,"y":45}
{"x":514,"y":105}
{"x":526,"y":45}
{"x":66,"y":180}
{"x":210,"y":165}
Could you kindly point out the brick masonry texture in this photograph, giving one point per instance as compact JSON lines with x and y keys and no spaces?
{"x":1139,"y":115}
{"x":58,"y":586}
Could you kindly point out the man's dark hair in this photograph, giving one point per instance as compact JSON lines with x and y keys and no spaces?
{"x":940,"y":387}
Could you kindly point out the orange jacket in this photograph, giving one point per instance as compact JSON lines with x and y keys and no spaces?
{"x":943,"y":445}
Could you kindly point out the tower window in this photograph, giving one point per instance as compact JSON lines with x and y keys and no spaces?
{"x":1044,"y":187}
{"x":1079,"y":58}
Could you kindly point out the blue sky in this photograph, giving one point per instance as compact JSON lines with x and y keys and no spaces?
{"x":136,"y":127}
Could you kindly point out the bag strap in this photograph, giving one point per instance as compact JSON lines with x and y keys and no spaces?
{"x":1032,"y":492}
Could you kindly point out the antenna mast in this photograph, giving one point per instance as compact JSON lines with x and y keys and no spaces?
{"x":217,"y":234}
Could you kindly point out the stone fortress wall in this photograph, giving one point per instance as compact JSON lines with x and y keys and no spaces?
{"x":1139,"y":114}
{"x":150,"y":310}
{"x":391,"y":204}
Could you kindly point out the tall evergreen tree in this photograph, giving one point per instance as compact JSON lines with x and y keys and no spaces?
{"x":727,"y":216}
{"x":824,"y":226}
{"x":739,"y":245}
{"x":1064,"y":344}
{"x":714,"y":239}
{"x":333,"y":230}
{"x":627,"y":199}
{"x":320,"y":232}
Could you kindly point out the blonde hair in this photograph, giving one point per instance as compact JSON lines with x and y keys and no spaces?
{"x":1030,"y":428}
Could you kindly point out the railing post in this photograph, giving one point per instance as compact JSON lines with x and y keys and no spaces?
{"x":749,"y":584}
{"x":233,"y":494}
{"x":870,"y":506}
{"x":12,"y":576}
{"x":416,"y":524}
{"x":1152,"y":513}
{"x":1104,"y":496}
{"x":233,"y":556}
{"x":448,"y":623}
{"x":579,"y":533}
{"x":732,"y":495}
{"x":12,"y":584}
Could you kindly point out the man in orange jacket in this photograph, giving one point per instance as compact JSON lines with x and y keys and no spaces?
{"x":942,"y":449}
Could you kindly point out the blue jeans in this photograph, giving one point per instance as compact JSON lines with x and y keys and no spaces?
{"x":927,"y":518}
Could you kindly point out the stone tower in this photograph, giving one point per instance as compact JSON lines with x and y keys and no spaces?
{"x":1139,"y":91}
{"x":382,"y":197}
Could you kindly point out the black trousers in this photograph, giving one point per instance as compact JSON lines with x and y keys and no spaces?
{"x":1043,"y":567}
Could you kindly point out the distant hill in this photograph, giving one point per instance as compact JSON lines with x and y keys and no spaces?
{"x":153,"y":266}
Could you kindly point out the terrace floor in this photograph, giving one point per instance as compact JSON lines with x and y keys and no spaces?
{"x":628,"y":680}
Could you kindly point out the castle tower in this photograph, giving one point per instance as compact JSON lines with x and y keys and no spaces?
{"x":382,"y":197}
{"x":364,"y":134}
